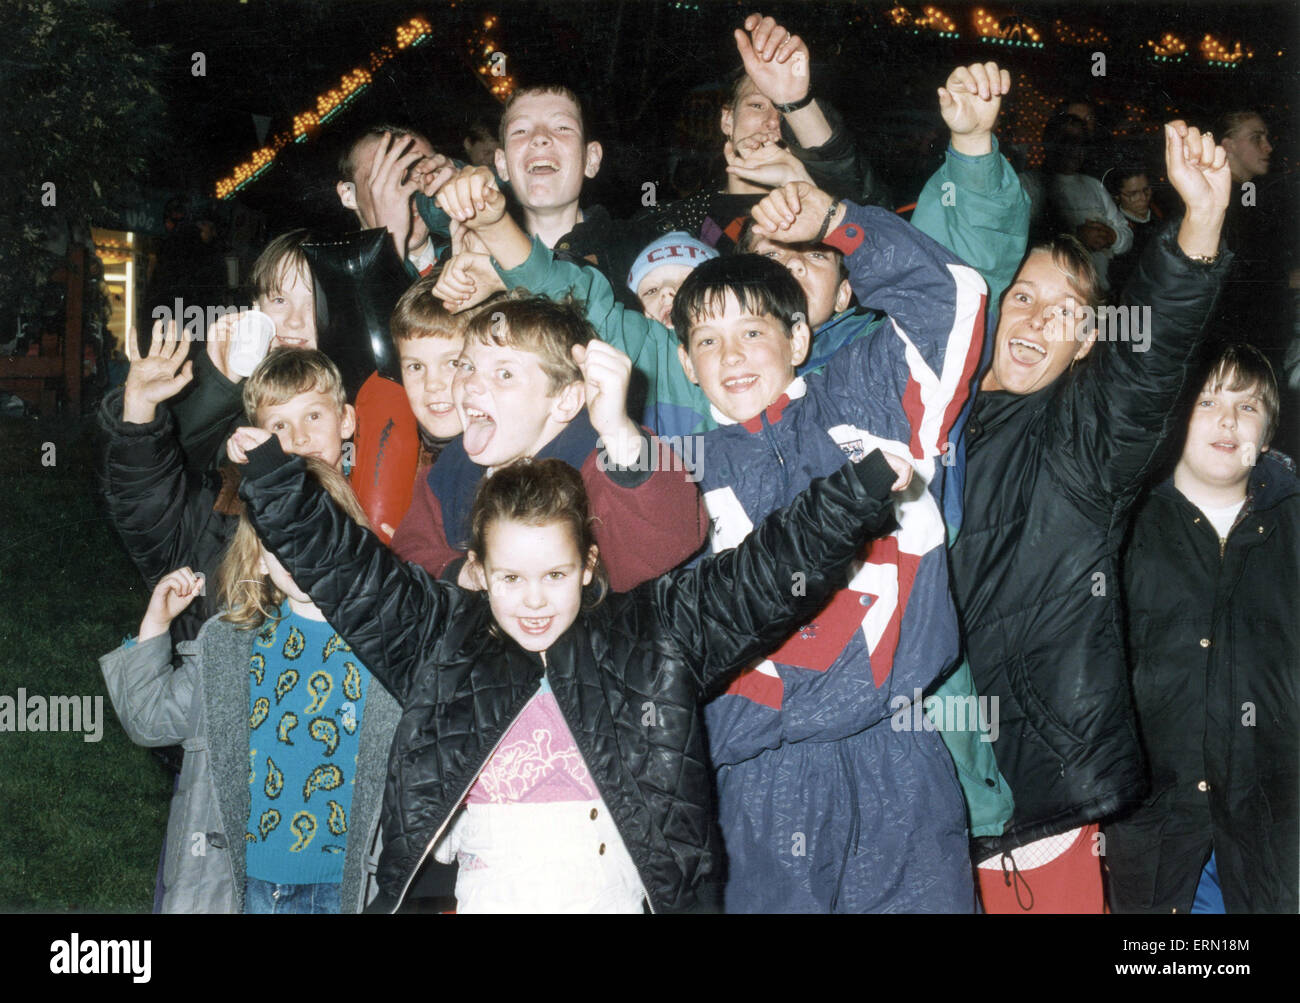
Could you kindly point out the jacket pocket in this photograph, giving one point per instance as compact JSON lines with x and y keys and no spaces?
{"x":1040,"y":718}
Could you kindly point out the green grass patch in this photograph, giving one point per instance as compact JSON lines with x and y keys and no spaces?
{"x":81,"y":823}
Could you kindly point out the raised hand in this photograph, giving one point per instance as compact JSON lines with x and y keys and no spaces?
{"x":464,"y":239}
{"x":171,"y":597}
{"x":795,"y":213}
{"x":158,"y":376}
{"x":243,"y":441}
{"x":431,"y":173}
{"x":764,"y":163}
{"x":969,"y":102}
{"x":605,"y":373}
{"x":471,"y":197}
{"x":218,"y":342}
{"x":390,"y":196}
{"x":775,"y":60}
{"x":1198,"y":170}
{"x":466,"y":280}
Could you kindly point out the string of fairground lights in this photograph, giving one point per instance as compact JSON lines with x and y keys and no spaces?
{"x":329,"y":104}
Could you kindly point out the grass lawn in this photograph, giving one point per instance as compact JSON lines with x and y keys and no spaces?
{"x":81,"y":823}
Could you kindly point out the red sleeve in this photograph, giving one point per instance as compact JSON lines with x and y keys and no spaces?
{"x":420,"y":537}
{"x":649,"y":529}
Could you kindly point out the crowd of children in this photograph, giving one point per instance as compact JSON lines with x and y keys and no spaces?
{"x":717,"y":516}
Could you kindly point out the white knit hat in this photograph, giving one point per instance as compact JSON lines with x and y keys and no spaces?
{"x":676,"y":248}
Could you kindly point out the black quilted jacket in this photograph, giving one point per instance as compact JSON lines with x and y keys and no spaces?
{"x":628,"y":676}
{"x":1051,"y":478}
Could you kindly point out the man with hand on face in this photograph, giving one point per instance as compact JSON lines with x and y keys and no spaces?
{"x":776,"y":132}
{"x":379,"y":175}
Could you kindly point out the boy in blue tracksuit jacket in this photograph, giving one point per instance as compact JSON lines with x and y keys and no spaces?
{"x":832,"y":795}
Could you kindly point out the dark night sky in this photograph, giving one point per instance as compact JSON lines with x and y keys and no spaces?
{"x":635,"y":61}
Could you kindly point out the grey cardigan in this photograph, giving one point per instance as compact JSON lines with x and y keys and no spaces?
{"x":203,"y":706}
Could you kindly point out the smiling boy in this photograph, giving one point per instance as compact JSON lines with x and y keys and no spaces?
{"x":1211,"y":573}
{"x":169,"y":517}
{"x":546,"y":155}
{"x":810,"y":770}
{"x":533,"y":381}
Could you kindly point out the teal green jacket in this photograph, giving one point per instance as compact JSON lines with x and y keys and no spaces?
{"x":976,"y":208}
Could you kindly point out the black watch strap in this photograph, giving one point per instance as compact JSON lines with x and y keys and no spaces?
{"x":803,"y":102}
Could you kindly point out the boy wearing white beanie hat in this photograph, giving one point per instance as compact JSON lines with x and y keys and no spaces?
{"x":660,"y":267}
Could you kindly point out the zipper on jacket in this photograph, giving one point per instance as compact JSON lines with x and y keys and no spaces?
{"x":463,"y":794}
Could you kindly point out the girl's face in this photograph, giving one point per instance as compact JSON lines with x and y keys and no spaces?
{"x":1135,"y":195}
{"x":534,"y":577}
{"x":273,"y":569}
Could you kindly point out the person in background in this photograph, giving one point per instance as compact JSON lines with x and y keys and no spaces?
{"x":1077,"y":202}
{"x":378,"y":176}
{"x":1130,"y":187}
{"x":1259,"y":301}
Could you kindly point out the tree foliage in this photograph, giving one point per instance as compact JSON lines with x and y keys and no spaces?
{"x":81,"y":110}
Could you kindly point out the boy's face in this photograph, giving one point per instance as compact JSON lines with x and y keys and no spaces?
{"x":481,"y":150}
{"x":503,"y":397}
{"x":817,"y":270}
{"x":310,"y":424}
{"x":658,"y":290}
{"x":742,"y":361}
{"x":293,"y":308}
{"x":545,"y":158}
{"x":1225,"y":436}
{"x":752,"y":117}
{"x":428,"y":370}
{"x":1248,"y":149}
{"x":356,"y":194}
{"x":1036,"y":338}
{"x":534,"y":578}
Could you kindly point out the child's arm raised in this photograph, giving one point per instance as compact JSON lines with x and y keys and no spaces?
{"x":391,"y":613}
{"x":473,"y":199}
{"x":157,"y":509}
{"x":780,"y":65}
{"x":912,"y":376}
{"x":974,"y":204}
{"x":649,"y":515}
{"x":739,"y":605}
{"x":155,"y":704}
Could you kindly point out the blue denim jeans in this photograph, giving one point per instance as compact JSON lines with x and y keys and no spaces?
{"x":1209,"y":896}
{"x":268,"y":897}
